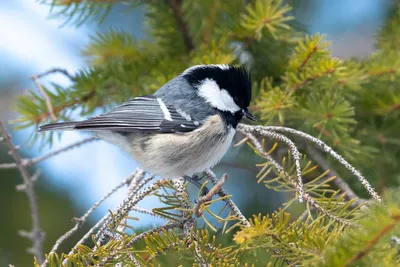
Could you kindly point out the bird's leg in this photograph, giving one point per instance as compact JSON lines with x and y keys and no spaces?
{"x":195,"y":180}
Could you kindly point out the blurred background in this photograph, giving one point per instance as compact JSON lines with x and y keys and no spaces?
{"x":31,"y":43}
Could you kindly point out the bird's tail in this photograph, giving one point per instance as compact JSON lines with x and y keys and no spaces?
{"x":58,"y":126}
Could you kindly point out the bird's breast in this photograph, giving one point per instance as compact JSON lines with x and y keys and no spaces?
{"x":173,"y":155}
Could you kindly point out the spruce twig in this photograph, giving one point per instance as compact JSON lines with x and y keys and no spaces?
{"x":320,"y":143}
{"x":280,"y":170}
{"x":339,"y":182}
{"x":131,"y":200}
{"x":188,"y":224}
{"x":81,"y":220}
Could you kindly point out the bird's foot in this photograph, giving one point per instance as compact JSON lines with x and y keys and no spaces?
{"x":195,"y":180}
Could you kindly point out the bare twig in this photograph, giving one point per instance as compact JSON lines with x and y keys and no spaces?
{"x":54,"y":70}
{"x":222,"y":193}
{"x":213,"y":191}
{"x":36,"y":235}
{"x":46,"y":98}
{"x":33,"y":161}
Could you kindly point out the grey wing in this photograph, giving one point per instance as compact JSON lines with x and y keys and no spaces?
{"x":141,"y":114}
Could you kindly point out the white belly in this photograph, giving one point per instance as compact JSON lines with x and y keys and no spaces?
{"x":175,"y":155}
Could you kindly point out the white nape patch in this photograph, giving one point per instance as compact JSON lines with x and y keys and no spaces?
{"x":218,"y":98}
{"x":184,"y":114}
{"x":164,"y":109}
{"x":221,"y":66}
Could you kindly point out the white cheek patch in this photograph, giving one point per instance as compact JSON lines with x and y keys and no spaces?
{"x":218,"y":98}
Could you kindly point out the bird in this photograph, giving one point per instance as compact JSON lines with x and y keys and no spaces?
{"x":182,"y":129}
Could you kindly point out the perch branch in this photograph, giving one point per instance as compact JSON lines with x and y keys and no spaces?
{"x":222,"y":193}
{"x":325,"y":147}
{"x":295,"y":154}
{"x":36,"y":235}
{"x":188,"y":224}
{"x":213,"y":191}
{"x":280,"y":169}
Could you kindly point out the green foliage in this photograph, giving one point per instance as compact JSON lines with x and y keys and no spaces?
{"x":317,"y":242}
{"x":79,"y":11}
{"x":352,"y":105}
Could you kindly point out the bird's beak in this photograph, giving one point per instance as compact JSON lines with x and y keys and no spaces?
{"x":249,"y":115}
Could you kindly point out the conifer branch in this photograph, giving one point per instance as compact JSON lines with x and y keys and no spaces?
{"x":188,"y":224}
{"x":85,"y":237}
{"x":335,"y":155}
{"x":295,"y":154}
{"x":281,"y":170}
{"x":131,"y":200}
{"x":339,"y":182}
{"x":46,"y":98}
{"x":375,"y":240}
{"x":81,"y":220}
{"x":138,"y":237}
{"x":36,"y":235}
{"x":57,"y":109}
{"x":311,"y":78}
{"x":175,"y":6}
{"x":262,"y":131}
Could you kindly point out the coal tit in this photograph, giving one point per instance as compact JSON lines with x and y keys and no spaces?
{"x":182,"y":129}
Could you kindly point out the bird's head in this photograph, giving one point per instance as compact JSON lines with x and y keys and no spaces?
{"x":224,"y":87}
